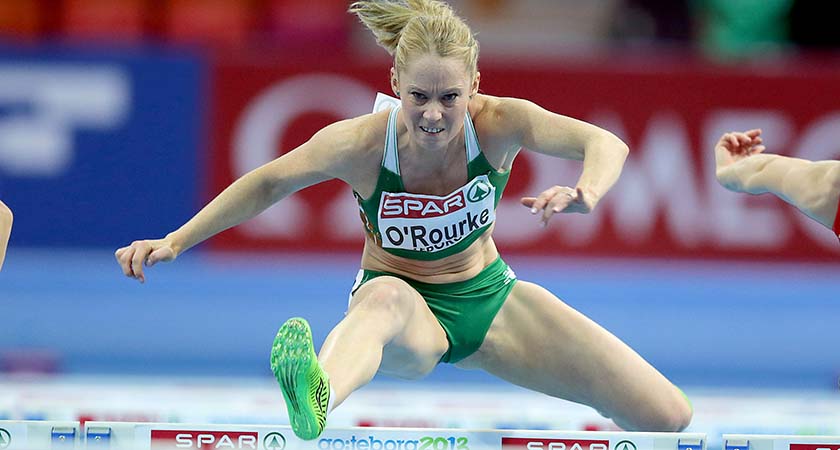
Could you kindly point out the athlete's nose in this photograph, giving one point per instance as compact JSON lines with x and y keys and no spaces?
{"x":432,"y":114}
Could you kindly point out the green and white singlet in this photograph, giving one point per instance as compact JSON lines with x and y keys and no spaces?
{"x":430,"y":227}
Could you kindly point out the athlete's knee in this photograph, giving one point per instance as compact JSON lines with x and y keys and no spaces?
{"x":669,"y":413}
{"x":384,"y":295}
{"x":413,"y":370}
{"x":684,"y":411}
{"x":674,"y":416}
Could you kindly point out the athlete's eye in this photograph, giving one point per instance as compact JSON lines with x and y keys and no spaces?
{"x":418,"y":96}
{"x":449,"y":98}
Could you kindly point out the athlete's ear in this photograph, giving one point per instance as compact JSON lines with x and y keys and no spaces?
{"x":475,"y":83}
{"x":395,"y":82}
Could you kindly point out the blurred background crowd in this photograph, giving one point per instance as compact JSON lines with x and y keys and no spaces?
{"x":716,"y":28}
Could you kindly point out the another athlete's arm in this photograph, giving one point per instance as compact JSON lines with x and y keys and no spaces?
{"x":5,"y":230}
{"x":321,"y":158}
{"x":602,"y":152}
{"x":811,"y":186}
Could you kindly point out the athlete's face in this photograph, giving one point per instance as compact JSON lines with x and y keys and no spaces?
{"x":434,"y":92}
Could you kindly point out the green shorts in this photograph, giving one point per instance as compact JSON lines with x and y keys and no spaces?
{"x":465,"y":309}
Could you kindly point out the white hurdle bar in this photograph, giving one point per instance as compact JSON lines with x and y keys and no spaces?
{"x":779,"y":442}
{"x":37,"y":435}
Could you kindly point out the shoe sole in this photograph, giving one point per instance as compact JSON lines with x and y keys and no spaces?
{"x":292,"y":360}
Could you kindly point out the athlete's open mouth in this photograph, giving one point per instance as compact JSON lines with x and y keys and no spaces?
{"x":431,"y":130}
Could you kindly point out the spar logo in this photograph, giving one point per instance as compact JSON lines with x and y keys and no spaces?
{"x":478,"y":191}
{"x":274,"y":441}
{"x":412,"y":206}
{"x":512,"y":443}
{"x":834,"y":446}
{"x":207,"y":440}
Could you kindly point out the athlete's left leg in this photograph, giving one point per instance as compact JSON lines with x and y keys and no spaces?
{"x":538,"y":342}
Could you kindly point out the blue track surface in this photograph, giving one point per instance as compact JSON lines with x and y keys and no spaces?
{"x":707,"y":324}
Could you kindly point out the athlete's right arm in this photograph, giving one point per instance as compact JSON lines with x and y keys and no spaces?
{"x":5,"y":230}
{"x":321,"y":158}
{"x":813,"y":187}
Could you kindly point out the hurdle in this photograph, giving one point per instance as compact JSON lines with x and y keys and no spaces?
{"x":47,"y":435}
{"x":779,"y":442}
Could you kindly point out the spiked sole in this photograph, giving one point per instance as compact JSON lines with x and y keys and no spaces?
{"x":304,"y":384}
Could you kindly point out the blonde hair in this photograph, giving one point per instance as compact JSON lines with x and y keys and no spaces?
{"x":417,"y":27}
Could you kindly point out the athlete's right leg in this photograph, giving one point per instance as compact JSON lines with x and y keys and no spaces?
{"x":388,"y":328}
{"x":539,"y":342}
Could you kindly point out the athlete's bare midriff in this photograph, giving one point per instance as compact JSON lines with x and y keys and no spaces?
{"x":458,"y":267}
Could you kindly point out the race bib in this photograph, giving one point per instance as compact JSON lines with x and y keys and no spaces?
{"x":431,"y":223}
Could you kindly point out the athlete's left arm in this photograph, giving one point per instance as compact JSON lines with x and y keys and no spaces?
{"x":545,"y":132}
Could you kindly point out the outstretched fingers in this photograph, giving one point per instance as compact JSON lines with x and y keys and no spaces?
{"x":742,"y":142}
{"x":553,"y":200}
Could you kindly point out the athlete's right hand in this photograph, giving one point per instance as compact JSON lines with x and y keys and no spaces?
{"x":147,"y":252}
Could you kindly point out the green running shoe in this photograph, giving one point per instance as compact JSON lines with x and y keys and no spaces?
{"x":305,"y":385}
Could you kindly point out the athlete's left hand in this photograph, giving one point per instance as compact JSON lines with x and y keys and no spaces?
{"x":735,"y":146}
{"x":559,"y":199}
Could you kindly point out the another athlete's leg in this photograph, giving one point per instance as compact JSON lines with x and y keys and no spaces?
{"x":5,"y":230}
{"x":538,"y":342}
{"x":388,"y":328}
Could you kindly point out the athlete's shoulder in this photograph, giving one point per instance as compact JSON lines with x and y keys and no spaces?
{"x":499,"y":112}
{"x":356,"y":134}
{"x":499,"y":120}
{"x":350,"y":149}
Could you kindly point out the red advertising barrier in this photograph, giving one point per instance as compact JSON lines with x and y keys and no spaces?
{"x":666,"y":204}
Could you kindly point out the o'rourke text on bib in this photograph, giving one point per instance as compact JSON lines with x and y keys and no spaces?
{"x":431,"y":223}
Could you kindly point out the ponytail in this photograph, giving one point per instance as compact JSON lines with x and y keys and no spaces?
{"x":409,"y":27}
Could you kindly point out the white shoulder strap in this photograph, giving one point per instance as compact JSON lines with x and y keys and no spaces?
{"x":384,"y":101}
{"x":471,"y":138}
{"x":390,"y":159}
